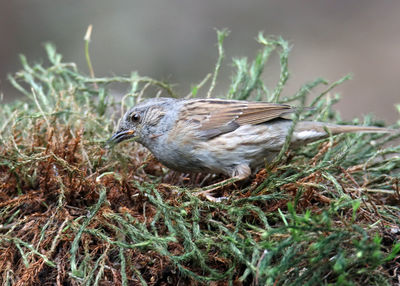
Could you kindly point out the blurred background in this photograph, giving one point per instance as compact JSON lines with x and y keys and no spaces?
{"x":175,"y":41}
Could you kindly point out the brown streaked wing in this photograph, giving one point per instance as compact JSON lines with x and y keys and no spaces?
{"x":217,"y":116}
{"x":261,"y":112}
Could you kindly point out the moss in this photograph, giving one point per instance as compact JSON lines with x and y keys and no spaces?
{"x":74,"y":212}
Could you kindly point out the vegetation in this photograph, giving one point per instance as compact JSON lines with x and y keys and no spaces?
{"x":75,"y":213}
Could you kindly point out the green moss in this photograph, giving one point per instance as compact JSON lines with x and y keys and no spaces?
{"x":72,"y":210}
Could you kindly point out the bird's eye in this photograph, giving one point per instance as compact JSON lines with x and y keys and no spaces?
{"x":135,"y":117}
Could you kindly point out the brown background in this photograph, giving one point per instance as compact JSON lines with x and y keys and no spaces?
{"x":175,"y":40}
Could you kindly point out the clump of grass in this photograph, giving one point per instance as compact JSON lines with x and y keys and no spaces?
{"x":72,"y":212}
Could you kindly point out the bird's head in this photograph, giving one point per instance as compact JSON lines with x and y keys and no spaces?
{"x":141,"y":121}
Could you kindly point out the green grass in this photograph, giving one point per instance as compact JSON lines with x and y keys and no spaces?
{"x":74,"y":212}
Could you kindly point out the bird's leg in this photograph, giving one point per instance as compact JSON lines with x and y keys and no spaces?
{"x":240,"y":172}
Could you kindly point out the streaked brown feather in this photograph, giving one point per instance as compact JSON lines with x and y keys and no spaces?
{"x":217,"y":116}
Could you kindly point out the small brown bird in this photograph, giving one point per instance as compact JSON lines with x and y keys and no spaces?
{"x":218,"y":136}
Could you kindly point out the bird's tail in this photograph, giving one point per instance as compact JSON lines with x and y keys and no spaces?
{"x":312,"y":130}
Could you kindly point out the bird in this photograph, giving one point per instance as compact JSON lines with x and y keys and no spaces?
{"x":219,"y":136}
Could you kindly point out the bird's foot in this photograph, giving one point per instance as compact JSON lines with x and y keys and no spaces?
{"x":207,"y":191}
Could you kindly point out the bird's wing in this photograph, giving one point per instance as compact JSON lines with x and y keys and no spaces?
{"x":218,"y":116}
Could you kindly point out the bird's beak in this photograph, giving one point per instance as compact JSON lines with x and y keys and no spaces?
{"x":120,"y":136}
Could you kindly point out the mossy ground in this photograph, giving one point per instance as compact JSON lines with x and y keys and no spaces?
{"x":75,"y":213}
